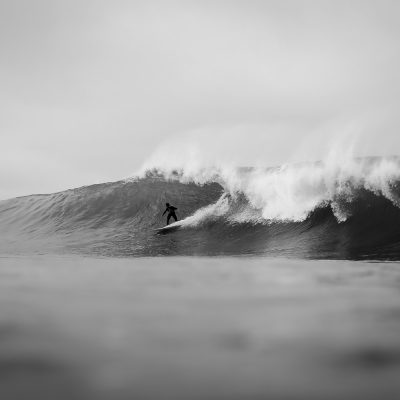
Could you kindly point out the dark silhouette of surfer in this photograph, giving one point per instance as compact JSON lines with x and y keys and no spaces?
{"x":171,"y":212}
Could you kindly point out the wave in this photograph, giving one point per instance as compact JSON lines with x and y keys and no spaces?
{"x":314,"y":210}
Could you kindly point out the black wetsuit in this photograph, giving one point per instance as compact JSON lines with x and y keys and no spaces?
{"x":171,"y":213}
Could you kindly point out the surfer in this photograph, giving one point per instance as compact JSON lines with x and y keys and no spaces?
{"x":171,"y":212}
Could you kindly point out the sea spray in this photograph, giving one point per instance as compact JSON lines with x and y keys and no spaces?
{"x":292,"y":191}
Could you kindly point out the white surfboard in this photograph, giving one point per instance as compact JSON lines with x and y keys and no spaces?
{"x":168,"y":228}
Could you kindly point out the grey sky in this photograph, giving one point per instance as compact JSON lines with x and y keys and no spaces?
{"x":89,"y":89}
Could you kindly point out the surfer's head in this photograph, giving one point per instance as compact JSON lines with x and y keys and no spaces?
{"x":167,"y":204}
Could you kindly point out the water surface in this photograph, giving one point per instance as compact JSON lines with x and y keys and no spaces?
{"x":198,"y":328}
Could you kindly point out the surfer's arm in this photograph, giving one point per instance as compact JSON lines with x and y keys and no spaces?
{"x":165,"y":211}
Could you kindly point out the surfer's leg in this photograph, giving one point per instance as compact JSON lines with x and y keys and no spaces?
{"x":168,"y":218}
{"x":174,"y":216}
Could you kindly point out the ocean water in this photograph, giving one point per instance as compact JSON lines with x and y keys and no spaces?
{"x":279,"y":283}
{"x":76,"y":327}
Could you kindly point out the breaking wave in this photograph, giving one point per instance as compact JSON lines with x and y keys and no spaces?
{"x":346,"y":210}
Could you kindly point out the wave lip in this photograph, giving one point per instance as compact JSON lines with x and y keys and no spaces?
{"x":291,"y":192}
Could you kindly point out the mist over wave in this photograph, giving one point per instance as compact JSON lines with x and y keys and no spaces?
{"x":330,"y":209}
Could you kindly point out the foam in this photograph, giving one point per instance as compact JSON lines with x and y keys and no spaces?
{"x":289,"y":192}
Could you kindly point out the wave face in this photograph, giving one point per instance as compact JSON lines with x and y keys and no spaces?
{"x":313,"y":210}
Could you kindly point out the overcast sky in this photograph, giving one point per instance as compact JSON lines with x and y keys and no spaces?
{"x":89,"y":89}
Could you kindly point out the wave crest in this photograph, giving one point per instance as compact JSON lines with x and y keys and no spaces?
{"x":292,"y":191}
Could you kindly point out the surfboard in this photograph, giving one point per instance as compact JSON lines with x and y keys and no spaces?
{"x":168,"y":228}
